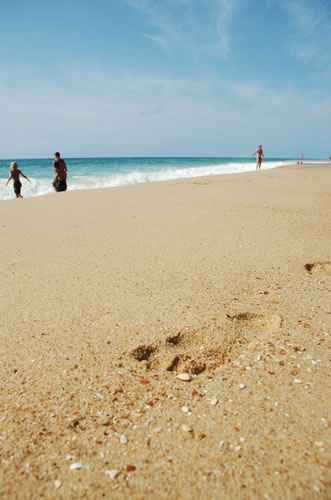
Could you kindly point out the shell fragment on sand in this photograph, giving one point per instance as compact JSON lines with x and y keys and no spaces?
{"x":112,"y":473}
{"x":76,"y":466}
{"x":187,"y":428}
{"x":186,"y":377}
{"x":123,"y":439}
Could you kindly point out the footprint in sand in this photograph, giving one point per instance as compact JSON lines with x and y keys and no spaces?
{"x":195,"y":350}
{"x":143,"y":352}
{"x":267,"y":322}
{"x":318,"y":268}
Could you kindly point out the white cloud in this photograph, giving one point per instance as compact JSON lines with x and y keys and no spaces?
{"x":162,"y":41}
{"x":139,"y":114}
{"x":189,"y":24}
{"x":223,"y":20}
{"x":310,"y":40}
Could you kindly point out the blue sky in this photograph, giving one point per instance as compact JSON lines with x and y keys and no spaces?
{"x":165,"y":77}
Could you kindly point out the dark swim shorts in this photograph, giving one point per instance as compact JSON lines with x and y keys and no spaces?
{"x":17,"y":187}
{"x":60,"y":186}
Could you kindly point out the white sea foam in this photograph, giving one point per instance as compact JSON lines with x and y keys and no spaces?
{"x":43,"y":186}
{"x":38,"y":187}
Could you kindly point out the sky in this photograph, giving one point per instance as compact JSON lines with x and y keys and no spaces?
{"x":165,"y":78}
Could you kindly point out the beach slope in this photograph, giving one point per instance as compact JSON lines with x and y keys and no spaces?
{"x":108,"y":296}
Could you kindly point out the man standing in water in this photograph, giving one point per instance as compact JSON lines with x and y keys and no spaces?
{"x":60,"y":170}
{"x":259,"y":154}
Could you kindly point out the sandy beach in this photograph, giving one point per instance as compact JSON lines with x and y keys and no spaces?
{"x":109,"y":296}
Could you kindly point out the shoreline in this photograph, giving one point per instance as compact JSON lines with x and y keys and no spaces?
{"x":171,"y":179}
{"x":108,"y":295}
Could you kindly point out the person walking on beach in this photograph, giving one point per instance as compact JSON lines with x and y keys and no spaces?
{"x":259,"y":154}
{"x":60,"y":170}
{"x":14,"y":175}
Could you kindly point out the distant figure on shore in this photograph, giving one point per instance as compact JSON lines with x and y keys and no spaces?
{"x":60,"y":170}
{"x":301,"y":160}
{"x":259,"y":154}
{"x":14,"y":175}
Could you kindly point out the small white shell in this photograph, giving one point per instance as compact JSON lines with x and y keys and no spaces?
{"x":123,"y":439}
{"x":76,"y":466}
{"x":57,"y":483}
{"x":214,"y":402}
{"x":242,"y":386}
{"x":184,"y":376}
{"x":186,"y":428}
{"x":112,"y":473}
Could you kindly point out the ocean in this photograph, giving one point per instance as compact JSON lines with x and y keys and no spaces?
{"x":96,"y":173}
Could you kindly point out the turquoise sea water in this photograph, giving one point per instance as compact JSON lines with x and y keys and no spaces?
{"x":96,"y":173}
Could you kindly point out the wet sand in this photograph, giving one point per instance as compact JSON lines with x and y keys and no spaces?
{"x":107,"y":296}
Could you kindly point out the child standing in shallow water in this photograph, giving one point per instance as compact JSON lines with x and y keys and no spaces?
{"x":14,"y":175}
